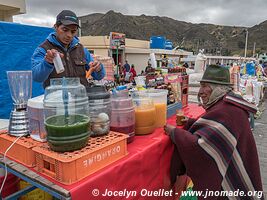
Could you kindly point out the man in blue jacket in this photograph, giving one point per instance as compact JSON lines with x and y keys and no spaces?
{"x":76,"y":59}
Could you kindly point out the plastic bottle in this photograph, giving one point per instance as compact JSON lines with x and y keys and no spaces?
{"x":58,"y":64}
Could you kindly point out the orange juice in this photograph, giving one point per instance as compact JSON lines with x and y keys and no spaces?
{"x":144,"y":120}
{"x":144,"y":130}
{"x":161,"y":113}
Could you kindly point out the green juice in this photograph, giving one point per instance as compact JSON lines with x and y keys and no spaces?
{"x":67,"y":133}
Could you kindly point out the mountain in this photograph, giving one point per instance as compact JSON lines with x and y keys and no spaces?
{"x":215,"y":39}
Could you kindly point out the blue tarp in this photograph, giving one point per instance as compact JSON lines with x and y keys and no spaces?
{"x":17,"y":44}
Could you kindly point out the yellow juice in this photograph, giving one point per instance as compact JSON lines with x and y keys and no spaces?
{"x":144,"y":121}
{"x":161,"y":113}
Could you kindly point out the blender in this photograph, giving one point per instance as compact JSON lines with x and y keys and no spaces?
{"x":20,"y":86}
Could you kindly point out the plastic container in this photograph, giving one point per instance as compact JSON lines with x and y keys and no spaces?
{"x":122,"y":113}
{"x":36,"y":118}
{"x":99,"y":109}
{"x":159,"y":97}
{"x":11,"y":185}
{"x":36,"y":194}
{"x":66,"y":114}
{"x":168,"y":45}
{"x":157,"y":42}
{"x":140,"y":81}
{"x":145,"y":113}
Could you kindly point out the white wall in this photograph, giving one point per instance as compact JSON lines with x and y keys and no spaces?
{"x":8,"y":8}
{"x":139,"y":61}
{"x":102,"y":52}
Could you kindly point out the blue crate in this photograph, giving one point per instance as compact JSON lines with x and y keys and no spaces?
{"x":171,"y":109}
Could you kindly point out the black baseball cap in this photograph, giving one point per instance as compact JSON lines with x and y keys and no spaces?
{"x":67,"y":17}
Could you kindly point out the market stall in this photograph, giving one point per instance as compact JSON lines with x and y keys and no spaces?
{"x":145,"y":168}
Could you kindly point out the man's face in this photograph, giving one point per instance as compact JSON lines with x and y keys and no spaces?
{"x":65,"y":34}
{"x":205,"y":92}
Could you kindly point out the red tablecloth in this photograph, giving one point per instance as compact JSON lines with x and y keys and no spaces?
{"x":145,"y":168}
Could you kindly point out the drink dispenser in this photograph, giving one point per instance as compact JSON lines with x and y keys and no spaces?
{"x":66,"y":114}
{"x":145,"y":113}
{"x":122,"y":113}
{"x":99,"y":109}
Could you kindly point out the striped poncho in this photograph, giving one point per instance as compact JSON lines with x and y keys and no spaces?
{"x":218,"y":152}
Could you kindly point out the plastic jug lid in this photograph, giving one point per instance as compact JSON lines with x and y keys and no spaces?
{"x":121,"y":87}
{"x":97,"y":92}
{"x":36,"y":102}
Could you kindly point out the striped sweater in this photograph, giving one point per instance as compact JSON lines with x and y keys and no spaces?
{"x":218,"y":151}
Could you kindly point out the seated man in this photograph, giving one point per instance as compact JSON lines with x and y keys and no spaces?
{"x":218,"y":150}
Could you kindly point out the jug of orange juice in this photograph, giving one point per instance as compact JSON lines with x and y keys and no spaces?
{"x":145,"y":113}
{"x":159,"y":97}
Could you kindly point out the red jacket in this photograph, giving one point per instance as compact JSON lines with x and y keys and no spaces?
{"x":132,"y":70}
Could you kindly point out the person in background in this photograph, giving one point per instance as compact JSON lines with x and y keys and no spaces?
{"x":218,"y":151}
{"x":142,"y":73}
{"x":76,"y":59}
{"x":126,"y":66}
{"x":122,"y":73}
{"x":192,"y":66}
{"x":132,"y":71}
{"x":264,"y":65}
{"x":259,"y":70}
{"x":148,"y":67}
{"x":185,"y":65}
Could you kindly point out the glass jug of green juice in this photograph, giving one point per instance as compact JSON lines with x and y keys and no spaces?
{"x":66,"y":113}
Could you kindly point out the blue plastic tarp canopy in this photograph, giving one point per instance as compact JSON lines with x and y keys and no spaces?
{"x":17,"y":43}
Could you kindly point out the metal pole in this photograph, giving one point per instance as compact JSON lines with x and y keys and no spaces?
{"x":254,"y":48}
{"x":246,"y":44}
{"x":117,"y":58}
{"x":80,"y":29}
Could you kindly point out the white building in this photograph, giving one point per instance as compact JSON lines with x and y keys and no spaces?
{"x":9,"y":8}
{"x":136,"y":52}
{"x":223,"y":60}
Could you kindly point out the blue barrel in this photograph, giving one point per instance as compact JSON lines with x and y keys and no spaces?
{"x":157,"y":42}
{"x":168,"y":45}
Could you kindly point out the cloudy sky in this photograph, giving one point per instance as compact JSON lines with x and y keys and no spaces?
{"x":222,"y":12}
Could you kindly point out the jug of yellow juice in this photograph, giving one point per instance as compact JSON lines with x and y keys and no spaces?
{"x":145,"y":114}
{"x":159,"y":97}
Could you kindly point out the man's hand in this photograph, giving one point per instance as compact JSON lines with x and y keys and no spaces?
{"x":96,"y":66}
{"x":51,"y":54}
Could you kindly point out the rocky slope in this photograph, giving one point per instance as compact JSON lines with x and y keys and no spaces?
{"x":215,"y":39}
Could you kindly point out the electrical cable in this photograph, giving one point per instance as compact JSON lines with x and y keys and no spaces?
{"x":4,"y":159}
